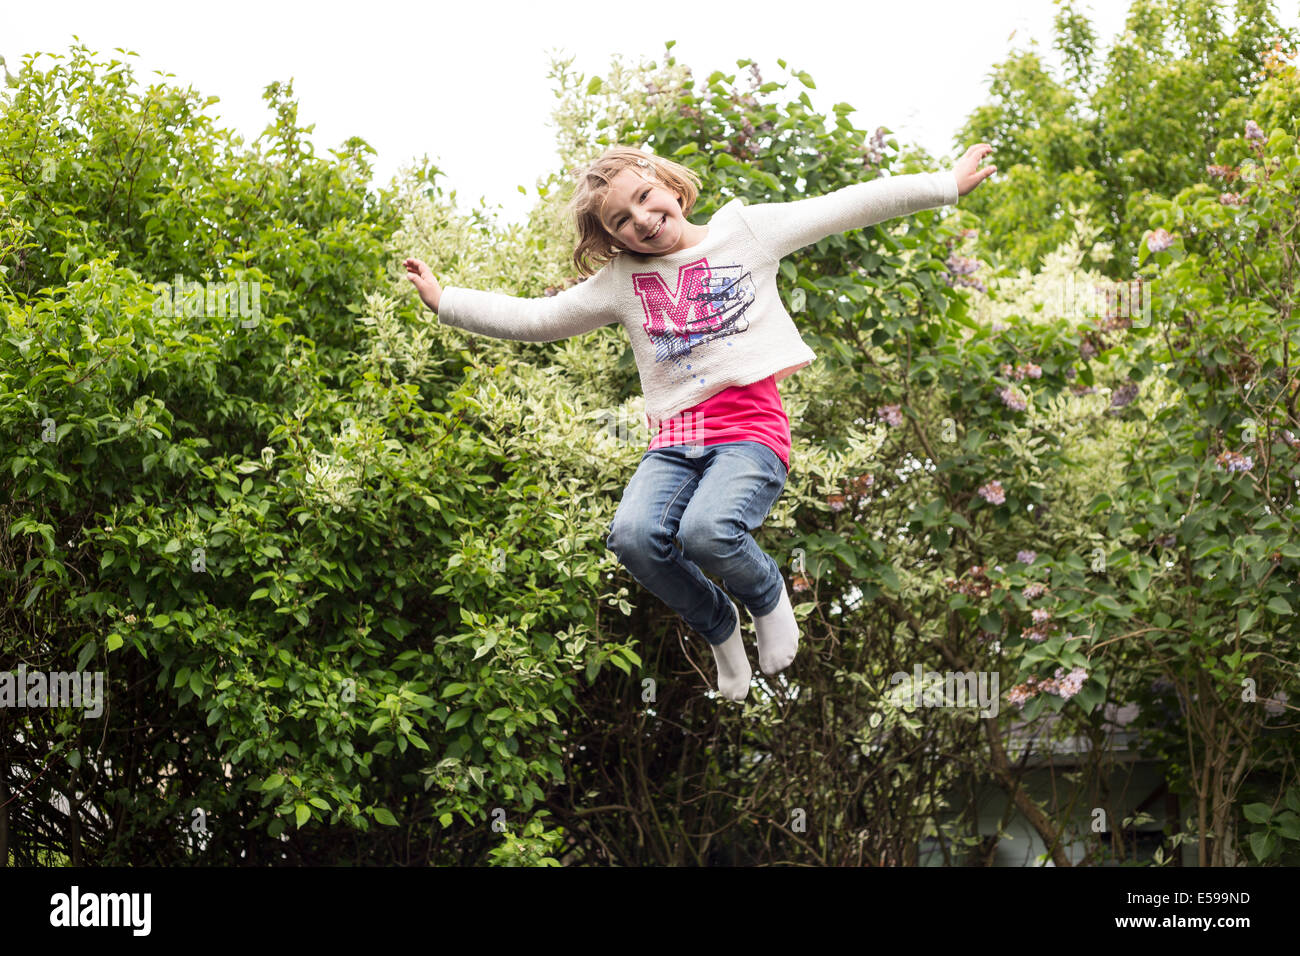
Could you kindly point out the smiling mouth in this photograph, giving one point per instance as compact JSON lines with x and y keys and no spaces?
{"x":658,"y":228}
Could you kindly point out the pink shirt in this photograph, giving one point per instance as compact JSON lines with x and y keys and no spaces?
{"x":738,"y":413}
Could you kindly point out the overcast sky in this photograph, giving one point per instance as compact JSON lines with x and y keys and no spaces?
{"x":467,"y":82}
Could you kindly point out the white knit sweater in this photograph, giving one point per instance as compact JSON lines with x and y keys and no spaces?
{"x":707,"y":317}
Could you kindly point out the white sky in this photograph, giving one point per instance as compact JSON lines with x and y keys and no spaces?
{"x":467,"y":82}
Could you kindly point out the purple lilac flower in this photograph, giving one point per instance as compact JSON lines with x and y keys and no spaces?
{"x":992,"y":493}
{"x":1034,"y":590}
{"x":1012,"y":399}
{"x":1123,"y":395}
{"x":961,"y":266}
{"x":891,"y":414}
{"x":1159,"y":240}
{"x":1069,"y":684}
{"x":1233,"y":461}
{"x":1020,"y":693}
{"x":874,"y":151}
{"x":959,"y":271}
{"x":1253,"y":131}
{"x":1008,"y":371}
{"x":1026,"y":557}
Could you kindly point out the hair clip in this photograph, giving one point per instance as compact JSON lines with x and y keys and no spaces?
{"x":643,"y":162}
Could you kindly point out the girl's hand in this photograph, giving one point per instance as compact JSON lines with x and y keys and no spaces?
{"x":967,"y":170}
{"x":422,"y":278}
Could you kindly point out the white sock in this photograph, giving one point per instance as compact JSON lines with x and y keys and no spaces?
{"x":734,"y":673}
{"x":778,"y":636}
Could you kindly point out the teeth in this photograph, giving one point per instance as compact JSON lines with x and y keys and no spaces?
{"x":657,"y":228}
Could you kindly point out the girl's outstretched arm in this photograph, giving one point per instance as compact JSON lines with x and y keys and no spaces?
{"x":783,"y":227}
{"x":575,"y":310}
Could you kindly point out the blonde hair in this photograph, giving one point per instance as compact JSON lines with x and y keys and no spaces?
{"x":595,"y":245}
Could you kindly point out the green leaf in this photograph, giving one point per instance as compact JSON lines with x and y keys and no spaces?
{"x":1033,"y":707}
{"x":1210,"y":546}
{"x":32,"y":595}
{"x":382,"y":815}
{"x":1261,"y":844}
{"x":1257,"y":812}
{"x":1089,"y":697}
{"x":302,"y":813}
{"x":1289,"y":825}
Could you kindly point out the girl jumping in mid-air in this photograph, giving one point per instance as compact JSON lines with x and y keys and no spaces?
{"x":711,"y":339}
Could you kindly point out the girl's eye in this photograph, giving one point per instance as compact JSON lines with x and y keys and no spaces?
{"x":619,"y":224}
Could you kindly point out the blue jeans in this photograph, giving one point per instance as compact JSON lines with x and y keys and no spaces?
{"x":690,"y":509}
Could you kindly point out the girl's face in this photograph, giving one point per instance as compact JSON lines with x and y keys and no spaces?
{"x":642,"y":216}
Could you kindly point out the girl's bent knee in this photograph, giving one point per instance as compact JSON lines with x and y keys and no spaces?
{"x":708,"y":536}
{"x":638,"y":542}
